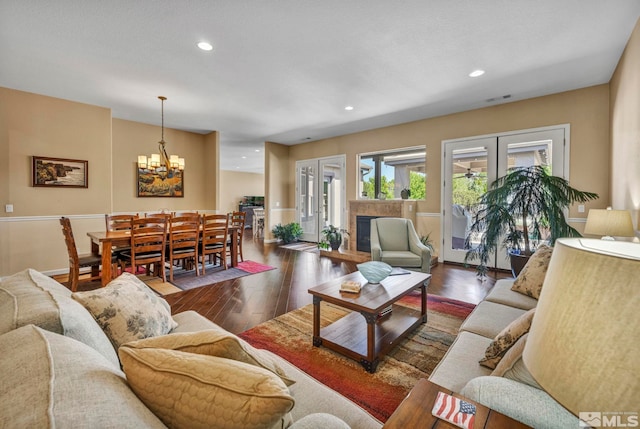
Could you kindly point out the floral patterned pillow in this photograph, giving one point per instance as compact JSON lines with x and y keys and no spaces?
{"x":529,"y":281}
{"x":507,"y":338}
{"x":127,"y":310}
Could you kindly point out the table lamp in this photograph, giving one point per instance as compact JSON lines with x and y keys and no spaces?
{"x":609,"y":223}
{"x":583,"y":348}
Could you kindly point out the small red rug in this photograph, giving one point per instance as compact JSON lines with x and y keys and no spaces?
{"x":380,"y":393}
{"x":253,"y":267}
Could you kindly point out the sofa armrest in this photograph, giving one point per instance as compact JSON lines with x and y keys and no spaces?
{"x":531,"y":406}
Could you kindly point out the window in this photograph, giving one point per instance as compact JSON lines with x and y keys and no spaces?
{"x":388,"y":173}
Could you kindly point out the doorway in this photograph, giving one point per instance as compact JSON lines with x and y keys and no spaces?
{"x":320,"y":195}
{"x":471,"y":165}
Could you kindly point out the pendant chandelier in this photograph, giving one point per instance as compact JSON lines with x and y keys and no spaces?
{"x":160,"y":163}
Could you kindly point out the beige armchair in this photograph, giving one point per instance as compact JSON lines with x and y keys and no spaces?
{"x":396,"y":242}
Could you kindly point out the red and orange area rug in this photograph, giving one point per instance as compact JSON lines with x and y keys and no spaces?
{"x":290,"y":336}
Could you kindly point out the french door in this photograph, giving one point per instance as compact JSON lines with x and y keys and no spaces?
{"x":471,"y":165}
{"x":320,"y":195}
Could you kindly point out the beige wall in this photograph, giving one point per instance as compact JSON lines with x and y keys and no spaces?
{"x":625,"y":130}
{"x":279,"y":187}
{"x":235,"y":185}
{"x":32,"y":124}
{"x":131,"y":139}
{"x":586,"y":110}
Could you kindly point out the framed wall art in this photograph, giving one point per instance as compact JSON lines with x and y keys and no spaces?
{"x":158,"y":182}
{"x":60,"y":172}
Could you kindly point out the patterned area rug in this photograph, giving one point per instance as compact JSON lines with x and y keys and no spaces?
{"x":186,"y":280}
{"x":380,"y":393}
{"x":302,"y":246}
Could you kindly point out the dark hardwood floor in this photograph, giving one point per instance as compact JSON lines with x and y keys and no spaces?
{"x":243,"y":303}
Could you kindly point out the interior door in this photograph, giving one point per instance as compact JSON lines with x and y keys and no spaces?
{"x":320,"y":195}
{"x":470,"y":165}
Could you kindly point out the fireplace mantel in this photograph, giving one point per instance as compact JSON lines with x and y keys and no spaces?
{"x":379,"y":208}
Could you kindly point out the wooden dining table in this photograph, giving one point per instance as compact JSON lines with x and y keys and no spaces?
{"x":103,"y":241}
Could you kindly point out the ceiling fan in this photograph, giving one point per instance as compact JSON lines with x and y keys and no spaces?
{"x":469,"y":174}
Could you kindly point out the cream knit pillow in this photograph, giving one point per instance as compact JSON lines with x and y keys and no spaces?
{"x":214,"y":342}
{"x":187,"y":390}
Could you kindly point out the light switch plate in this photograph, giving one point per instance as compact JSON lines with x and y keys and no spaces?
{"x":8,"y":208}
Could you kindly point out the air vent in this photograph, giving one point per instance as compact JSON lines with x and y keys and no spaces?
{"x":504,"y":97}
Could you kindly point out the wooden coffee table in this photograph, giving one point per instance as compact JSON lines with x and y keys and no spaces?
{"x":363,"y":335}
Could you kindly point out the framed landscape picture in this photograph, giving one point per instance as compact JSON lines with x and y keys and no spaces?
{"x":158,"y":182}
{"x":60,"y":172}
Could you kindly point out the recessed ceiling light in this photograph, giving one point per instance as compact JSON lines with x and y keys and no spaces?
{"x":257,"y":150}
{"x":244,"y":157}
{"x":205,"y":46}
{"x":476,"y":73}
{"x":348,"y":108}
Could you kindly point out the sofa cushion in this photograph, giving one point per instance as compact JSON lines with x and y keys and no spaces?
{"x":214,"y":342}
{"x":489,"y":318}
{"x":531,"y":406}
{"x":512,"y":366}
{"x":501,"y":293}
{"x":30,"y":297}
{"x":127,"y":310}
{"x":319,"y":420}
{"x":460,"y":363}
{"x":188,"y":390}
{"x":531,"y":278}
{"x":49,"y":381}
{"x":507,"y":338}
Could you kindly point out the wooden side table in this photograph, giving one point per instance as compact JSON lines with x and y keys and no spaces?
{"x":415,"y":411}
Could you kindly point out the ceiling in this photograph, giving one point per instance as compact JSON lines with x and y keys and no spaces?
{"x":284,"y":70}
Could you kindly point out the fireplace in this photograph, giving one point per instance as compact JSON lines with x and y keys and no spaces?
{"x":363,"y":233}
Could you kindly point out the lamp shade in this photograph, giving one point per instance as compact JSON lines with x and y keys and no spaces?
{"x":609,"y":223}
{"x":583,"y":347}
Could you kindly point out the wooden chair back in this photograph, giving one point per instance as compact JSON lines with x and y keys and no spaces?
{"x":118,"y":222}
{"x":237,"y":220}
{"x":214,"y":234}
{"x":75,"y":261}
{"x":184,"y":234}
{"x":148,"y":242}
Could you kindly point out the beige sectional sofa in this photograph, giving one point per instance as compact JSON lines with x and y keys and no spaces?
{"x":515,"y":394}
{"x":59,"y":369}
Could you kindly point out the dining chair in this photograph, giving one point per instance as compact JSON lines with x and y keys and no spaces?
{"x":258,"y":222}
{"x":184,"y":234}
{"x":159,"y":214}
{"x":121,"y":222}
{"x":78,"y":261}
{"x":213,"y":243}
{"x":148,"y":242}
{"x":186,"y":213}
{"x":237,"y":220}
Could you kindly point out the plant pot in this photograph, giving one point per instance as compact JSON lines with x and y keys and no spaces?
{"x":517,"y":263}
{"x":335,"y":245}
{"x":405,"y":193}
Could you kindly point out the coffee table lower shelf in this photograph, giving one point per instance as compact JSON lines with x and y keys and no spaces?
{"x":349,"y":335}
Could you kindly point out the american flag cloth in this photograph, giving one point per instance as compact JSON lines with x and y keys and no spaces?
{"x":454,"y":410}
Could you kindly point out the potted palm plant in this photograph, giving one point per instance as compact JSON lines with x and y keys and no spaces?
{"x":520,"y":210}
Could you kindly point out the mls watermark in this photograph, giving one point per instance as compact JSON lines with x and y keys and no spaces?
{"x":608,"y":419}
